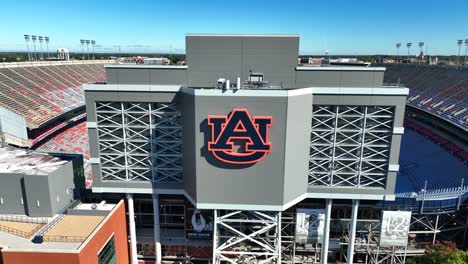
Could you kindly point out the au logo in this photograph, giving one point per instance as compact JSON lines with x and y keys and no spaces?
{"x":249,"y":134}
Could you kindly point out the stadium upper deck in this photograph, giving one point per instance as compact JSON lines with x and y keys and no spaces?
{"x":41,"y":92}
{"x":439,"y":90}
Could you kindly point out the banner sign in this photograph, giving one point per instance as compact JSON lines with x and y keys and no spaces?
{"x":310,"y":224}
{"x":395,"y":228}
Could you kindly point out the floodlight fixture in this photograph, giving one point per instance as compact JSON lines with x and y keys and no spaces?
{"x":34,"y":39}
{"x":398,"y":45}
{"x":47,"y":44}
{"x":93,"y":43}
{"x":41,"y":38}
{"x":87,"y":46}
{"x":421,"y":45}
{"x":408,"y":45}
{"x":27,"y":38}
{"x":466,"y":51}
{"x":82,"y":42}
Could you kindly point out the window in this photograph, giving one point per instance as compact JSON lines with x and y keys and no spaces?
{"x":107,"y":253}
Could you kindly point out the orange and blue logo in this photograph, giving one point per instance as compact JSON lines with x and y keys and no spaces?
{"x":239,"y":138}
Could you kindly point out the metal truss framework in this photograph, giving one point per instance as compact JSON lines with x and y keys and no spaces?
{"x":140,"y":141}
{"x":246,"y":237}
{"x":350,"y":145}
{"x":426,"y":229}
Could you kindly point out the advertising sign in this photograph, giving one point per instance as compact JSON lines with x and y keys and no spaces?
{"x":310,"y":224}
{"x":395,"y":228}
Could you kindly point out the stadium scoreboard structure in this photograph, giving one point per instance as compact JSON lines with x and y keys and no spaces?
{"x":246,"y":148}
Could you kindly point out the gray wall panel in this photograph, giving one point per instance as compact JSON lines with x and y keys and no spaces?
{"x":168,"y":76}
{"x":37,"y":189}
{"x":93,"y":145}
{"x":297,"y":147}
{"x":337,"y":78}
{"x":221,"y":183}
{"x":189,"y":160}
{"x":213,"y":57}
{"x":60,"y":181}
{"x":111,"y":76}
{"x":11,"y":194}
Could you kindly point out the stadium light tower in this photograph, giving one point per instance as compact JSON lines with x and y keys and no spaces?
{"x":87,"y":46}
{"x":41,"y":38}
{"x":398,"y":45}
{"x":47,"y":44}
{"x":34,"y":39}
{"x":82,"y":41}
{"x":408,"y":45}
{"x":93,"y":42}
{"x":459,"y":43}
{"x":27,"y":38}
{"x":421,"y":45}
{"x":466,"y":51}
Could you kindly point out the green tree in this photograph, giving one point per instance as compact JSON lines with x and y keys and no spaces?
{"x":441,"y":253}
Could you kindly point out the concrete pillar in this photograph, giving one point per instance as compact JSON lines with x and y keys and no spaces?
{"x":326,"y":231}
{"x":157,"y":229}
{"x":352,"y":231}
{"x":131,"y":224}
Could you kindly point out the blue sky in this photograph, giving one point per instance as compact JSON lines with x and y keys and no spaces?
{"x":341,"y":26}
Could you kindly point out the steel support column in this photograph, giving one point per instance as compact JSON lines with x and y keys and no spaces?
{"x":132,"y":229}
{"x":352,"y":231}
{"x":435,"y":229}
{"x":157,"y":230}
{"x":215,"y":235}
{"x":326,"y":232}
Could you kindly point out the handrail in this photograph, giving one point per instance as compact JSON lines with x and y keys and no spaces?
{"x":24,"y":219}
{"x":18,"y":232}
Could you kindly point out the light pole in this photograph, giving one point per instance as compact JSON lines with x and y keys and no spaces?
{"x":87,"y":47}
{"x":27,"y":38}
{"x":421,"y":45}
{"x":459,"y":43}
{"x":398,"y":45}
{"x":82,"y":41}
{"x":93,"y":42}
{"x":41,"y":38}
{"x":34,"y":39}
{"x":47,"y":44}
{"x":408,"y":45}
{"x":466,"y":51}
